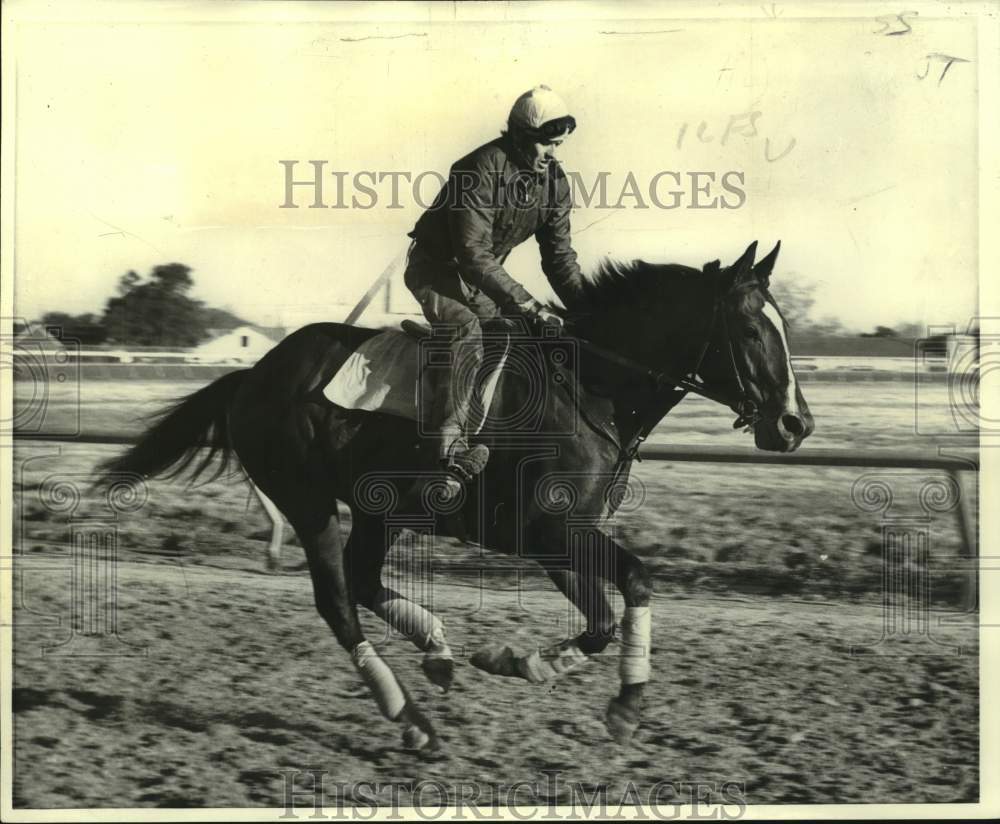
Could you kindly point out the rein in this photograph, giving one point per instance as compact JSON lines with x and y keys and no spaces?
{"x":747,"y":411}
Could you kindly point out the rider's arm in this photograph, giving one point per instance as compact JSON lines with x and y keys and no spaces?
{"x":471,"y":212}
{"x":558,"y":258}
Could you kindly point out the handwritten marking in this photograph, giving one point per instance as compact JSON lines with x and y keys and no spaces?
{"x":767,"y":150}
{"x":948,"y":61}
{"x":743,"y":124}
{"x":734,"y":119}
{"x":892,"y":20}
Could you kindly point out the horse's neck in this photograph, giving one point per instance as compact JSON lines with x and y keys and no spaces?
{"x":638,"y":404}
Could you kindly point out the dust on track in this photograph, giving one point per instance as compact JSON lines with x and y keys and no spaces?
{"x":241,"y":681}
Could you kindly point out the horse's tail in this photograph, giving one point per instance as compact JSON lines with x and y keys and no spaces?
{"x":196,"y":422}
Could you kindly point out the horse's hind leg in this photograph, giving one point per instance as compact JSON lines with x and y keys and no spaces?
{"x":366,"y":551}
{"x":334,"y":600}
{"x":277,"y":527}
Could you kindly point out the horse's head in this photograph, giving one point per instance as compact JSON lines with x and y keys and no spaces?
{"x":749,"y":358}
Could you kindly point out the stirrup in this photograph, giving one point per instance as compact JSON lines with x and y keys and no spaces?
{"x":465,"y":465}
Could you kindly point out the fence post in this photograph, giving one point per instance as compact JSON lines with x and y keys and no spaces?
{"x":970,"y":545}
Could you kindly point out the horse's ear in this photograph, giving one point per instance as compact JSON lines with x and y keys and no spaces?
{"x":741,"y":271}
{"x":762,"y":271}
{"x":745,"y":264}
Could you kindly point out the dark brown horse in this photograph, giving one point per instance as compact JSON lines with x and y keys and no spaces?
{"x":563,"y":427}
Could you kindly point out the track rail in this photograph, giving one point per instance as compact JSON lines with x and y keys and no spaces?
{"x":956,"y":462}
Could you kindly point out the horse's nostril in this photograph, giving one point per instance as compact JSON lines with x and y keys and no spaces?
{"x":793,"y":424}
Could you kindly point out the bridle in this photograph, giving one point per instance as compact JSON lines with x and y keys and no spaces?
{"x":747,"y":410}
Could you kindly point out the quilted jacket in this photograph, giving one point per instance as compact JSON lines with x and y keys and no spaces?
{"x":486,"y":208}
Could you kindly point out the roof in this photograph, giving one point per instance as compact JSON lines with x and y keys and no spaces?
{"x":275,"y":333}
{"x":36,"y":335}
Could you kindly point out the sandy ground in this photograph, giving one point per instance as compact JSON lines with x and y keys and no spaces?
{"x":239,"y":681}
{"x":776,"y":665}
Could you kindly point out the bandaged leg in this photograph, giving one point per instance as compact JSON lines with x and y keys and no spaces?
{"x":636,"y":628}
{"x":380,"y":680}
{"x":545,"y":664}
{"x":423,"y":630}
{"x":411,"y":620}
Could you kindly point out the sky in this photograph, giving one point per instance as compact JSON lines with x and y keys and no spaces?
{"x":140,"y":142}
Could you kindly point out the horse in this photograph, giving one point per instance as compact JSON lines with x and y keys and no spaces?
{"x":567,"y":425}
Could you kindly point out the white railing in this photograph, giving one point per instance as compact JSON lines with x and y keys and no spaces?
{"x":954,"y":465}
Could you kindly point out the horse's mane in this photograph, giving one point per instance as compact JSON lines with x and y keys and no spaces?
{"x":615,"y":282}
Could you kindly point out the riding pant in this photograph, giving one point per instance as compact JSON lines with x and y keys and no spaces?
{"x":452,"y":357}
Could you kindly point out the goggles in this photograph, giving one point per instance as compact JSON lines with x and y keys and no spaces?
{"x":552,"y":129}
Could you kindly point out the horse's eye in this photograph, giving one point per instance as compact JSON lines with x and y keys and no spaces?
{"x":752,"y":333}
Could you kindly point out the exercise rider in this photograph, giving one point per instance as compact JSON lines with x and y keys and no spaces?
{"x":495,"y":198}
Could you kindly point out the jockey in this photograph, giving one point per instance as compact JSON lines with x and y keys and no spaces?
{"x":495,"y":198}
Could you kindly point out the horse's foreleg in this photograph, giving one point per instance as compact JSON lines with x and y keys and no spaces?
{"x":335,"y":602}
{"x":597,"y":559}
{"x":546,"y":663}
{"x":631,"y":578}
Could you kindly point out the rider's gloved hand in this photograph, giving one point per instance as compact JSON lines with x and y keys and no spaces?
{"x":541,"y":316}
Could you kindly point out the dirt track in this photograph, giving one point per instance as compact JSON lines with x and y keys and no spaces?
{"x":242,"y":680}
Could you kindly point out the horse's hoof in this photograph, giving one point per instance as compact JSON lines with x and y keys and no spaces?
{"x":415,"y":738}
{"x":439,"y":671}
{"x":495,"y":661}
{"x":621,"y":721}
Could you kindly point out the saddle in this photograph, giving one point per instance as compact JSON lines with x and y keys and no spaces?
{"x":382,"y":374}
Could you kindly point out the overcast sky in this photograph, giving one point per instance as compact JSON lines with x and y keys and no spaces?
{"x":145,"y":143}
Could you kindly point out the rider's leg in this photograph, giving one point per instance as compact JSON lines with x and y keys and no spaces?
{"x":449,"y":368}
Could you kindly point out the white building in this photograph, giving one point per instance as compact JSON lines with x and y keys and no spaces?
{"x":244,"y":344}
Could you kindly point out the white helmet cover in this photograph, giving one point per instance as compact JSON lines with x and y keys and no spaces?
{"x":541,"y":112}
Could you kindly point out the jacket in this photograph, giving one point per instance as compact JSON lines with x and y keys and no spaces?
{"x":486,"y":208}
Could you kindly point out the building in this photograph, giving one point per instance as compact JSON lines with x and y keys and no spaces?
{"x":244,"y":344}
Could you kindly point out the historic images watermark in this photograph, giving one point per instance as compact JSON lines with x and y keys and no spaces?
{"x":46,"y":370}
{"x":918,"y":573}
{"x":963,"y":356}
{"x":315,"y":186}
{"x":93,"y":513}
{"x":313,"y":794}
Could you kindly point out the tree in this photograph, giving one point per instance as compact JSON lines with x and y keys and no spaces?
{"x":128,"y":281}
{"x":87,"y":328}
{"x":173,"y":277}
{"x":796,"y":300}
{"x":157,"y":312}
{"x":881,"y":332}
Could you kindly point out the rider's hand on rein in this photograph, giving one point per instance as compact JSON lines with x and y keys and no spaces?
{"x":539,"y":315}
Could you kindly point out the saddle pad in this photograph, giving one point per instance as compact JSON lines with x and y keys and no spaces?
{"x":381,"y":376}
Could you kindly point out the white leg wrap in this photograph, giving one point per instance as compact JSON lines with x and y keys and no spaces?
{"x":636,"y":627}
{"x":421,"y":627}
{"x":544,"y":664}
{"x":380,"y":680}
